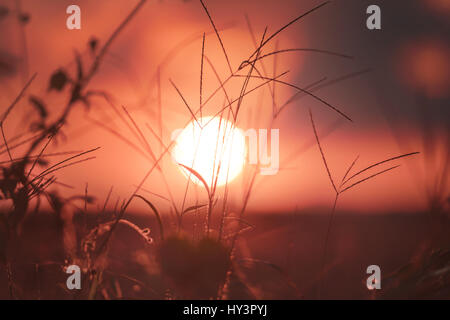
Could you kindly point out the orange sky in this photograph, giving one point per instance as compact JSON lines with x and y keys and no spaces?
{"x":129,"y":69}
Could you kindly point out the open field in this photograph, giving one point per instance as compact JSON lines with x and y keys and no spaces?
{"x":280,"y":259}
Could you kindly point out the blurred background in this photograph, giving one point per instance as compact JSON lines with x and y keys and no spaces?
{"x":404,"y":93}
{"x":393,"y":83}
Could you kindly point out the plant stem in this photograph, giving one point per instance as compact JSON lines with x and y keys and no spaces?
{"x":325,"y":249}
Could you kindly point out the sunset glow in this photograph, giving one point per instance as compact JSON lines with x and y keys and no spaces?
{"x":200,"y":151}
{"x":213,"y":147}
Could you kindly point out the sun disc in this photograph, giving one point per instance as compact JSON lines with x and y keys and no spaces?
{"x":213,"y":147}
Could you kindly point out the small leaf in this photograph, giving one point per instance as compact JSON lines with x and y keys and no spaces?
{"x":76,"y":93}
{"x":79,"y":66}
{"x":39,"y":105}
{"x":58,"y":80}
{"x":93,"y":43}
{"x":42,"y":162}
{"x":89,"y":199}
{"x":24,"y":18}
{"x":193,"y":208}
{"x":9,"y":64}
{"x":37,"y":126}
{"x":199,"y":177}
{"x":4,"y":12}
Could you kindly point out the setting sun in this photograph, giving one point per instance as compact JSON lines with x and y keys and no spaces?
{"x":224,"y":155}
{"x":213,"y":147}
